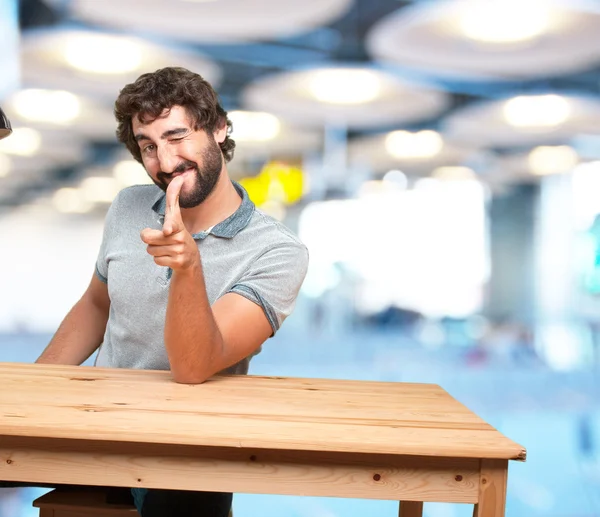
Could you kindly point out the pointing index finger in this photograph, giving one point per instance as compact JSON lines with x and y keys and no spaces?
{"x":173,"y":221}
{"x":173,"y":191}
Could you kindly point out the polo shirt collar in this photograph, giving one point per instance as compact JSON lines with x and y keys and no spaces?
{"x":228,"y":228}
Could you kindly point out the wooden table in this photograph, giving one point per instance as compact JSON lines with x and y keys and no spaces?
{"x":373,"y":440}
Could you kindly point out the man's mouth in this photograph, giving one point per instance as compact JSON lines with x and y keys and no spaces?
{"x":189,"y":170}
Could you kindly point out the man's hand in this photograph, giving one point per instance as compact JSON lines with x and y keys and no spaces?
{"x":173,"y":247}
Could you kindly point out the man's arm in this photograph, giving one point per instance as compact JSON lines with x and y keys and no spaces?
{"x":200,"y":340}
{"x":82,"y":330}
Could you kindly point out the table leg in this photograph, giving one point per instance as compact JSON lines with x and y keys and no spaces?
{"x":492,"y":489}
{"x":411,"y":509}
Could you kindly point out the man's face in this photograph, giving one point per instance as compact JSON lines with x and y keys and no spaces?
{"x":170,"y":147}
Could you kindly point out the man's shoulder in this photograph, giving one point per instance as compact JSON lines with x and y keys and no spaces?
{"x":271,"y":231}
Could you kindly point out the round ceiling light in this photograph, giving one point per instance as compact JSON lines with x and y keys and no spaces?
{"x":55,"y":106}
{"x":207,"y":21}
{"x":98,"y":65}
{"x":544,"y":160}
{"x":508,"y":21}
{"x":537,"y":111}
{"x":524,"y":120}
{"x":419,"y":145}
{"x":505,"y":40}
{"x":103,"y":54}
{"x":406,"y":153}
{"x":454,"y":173}
{"x":345,"y":86}
{"x":253,"y":126}
{"x":24,"y":141}
{"x":349,"y":96}
{"x":70,"y":200}
{"x":61,"y":111}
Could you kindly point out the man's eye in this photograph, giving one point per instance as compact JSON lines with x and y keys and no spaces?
{"x":149,"y":149}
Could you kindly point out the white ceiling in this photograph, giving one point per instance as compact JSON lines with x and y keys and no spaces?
{"x":260,"y":54}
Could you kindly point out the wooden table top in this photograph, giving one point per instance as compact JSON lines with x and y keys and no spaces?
{"x":275,"y":413}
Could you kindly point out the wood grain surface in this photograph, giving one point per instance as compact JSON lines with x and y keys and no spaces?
{"x":271,"y":413}
{"x":367,"y":476}
{"x":492,"y":489}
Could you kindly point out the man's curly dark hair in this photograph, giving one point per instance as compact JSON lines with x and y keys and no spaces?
{"x":154,"y":92}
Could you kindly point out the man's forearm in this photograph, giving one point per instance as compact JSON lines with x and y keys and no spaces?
{"x":78,"y":336}
{"x":192,"y":337}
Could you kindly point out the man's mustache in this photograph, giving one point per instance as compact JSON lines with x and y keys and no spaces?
{"x":162,"y":176}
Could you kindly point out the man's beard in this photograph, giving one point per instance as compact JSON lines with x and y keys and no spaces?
{"x":206,"y":179}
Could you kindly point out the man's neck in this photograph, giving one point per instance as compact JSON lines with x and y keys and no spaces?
{"x":222,"y":202}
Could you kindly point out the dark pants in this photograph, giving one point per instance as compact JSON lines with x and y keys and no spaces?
{"x":158,"y":503}
{"x":179,"y":503}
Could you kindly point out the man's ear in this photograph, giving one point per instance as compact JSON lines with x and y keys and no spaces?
{"x":220,"y":134}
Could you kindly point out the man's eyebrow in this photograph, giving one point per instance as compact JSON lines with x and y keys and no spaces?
{"x":174,"y":132}
{"x":171,"y":132}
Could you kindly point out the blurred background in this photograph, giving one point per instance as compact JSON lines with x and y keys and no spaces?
{"x":440,"y":159}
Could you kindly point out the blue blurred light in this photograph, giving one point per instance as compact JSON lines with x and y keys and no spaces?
{"x":9,"y":55}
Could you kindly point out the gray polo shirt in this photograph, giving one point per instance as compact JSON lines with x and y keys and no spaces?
{"x":249,"y":253}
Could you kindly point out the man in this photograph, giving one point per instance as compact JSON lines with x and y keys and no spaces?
{"x":190,"y":277}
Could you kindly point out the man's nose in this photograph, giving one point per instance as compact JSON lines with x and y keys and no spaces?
{"x":167,"y":160}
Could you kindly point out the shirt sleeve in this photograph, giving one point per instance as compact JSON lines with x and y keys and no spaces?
{"x":274,"y":280}
{"x":110,"y":225}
